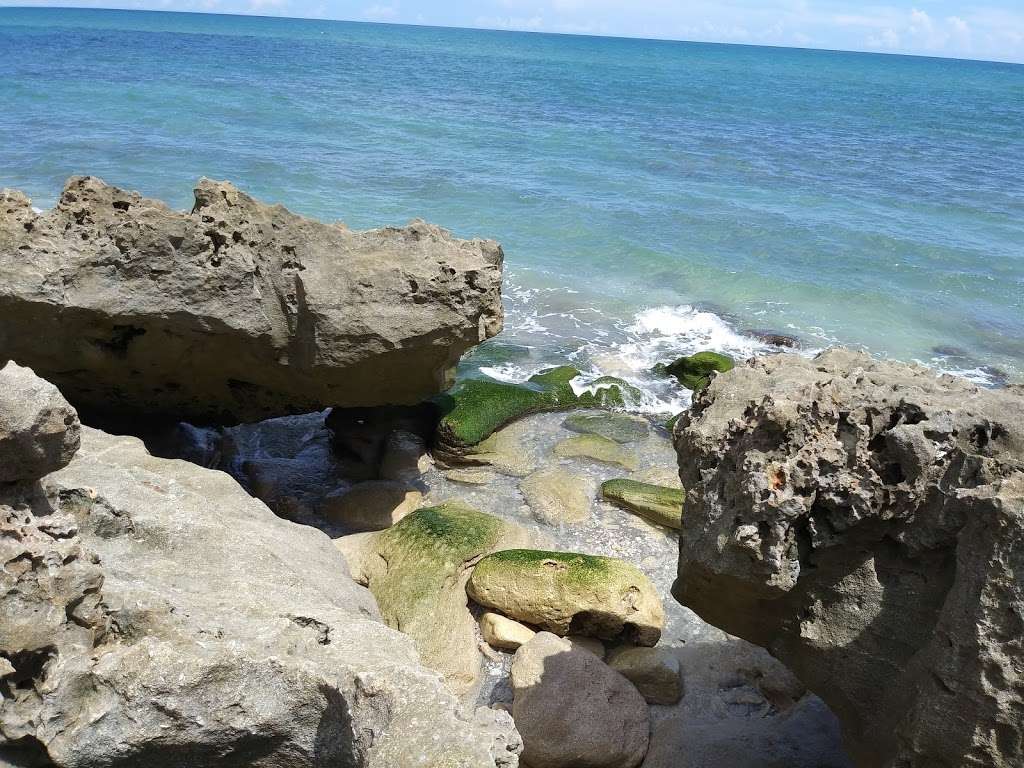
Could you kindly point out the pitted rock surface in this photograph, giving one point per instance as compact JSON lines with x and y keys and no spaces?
{"x":864,"y":521}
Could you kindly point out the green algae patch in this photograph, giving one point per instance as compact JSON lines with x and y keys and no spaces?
{"x":655,"y":503}
{"x":478,"y":407}
{"x":695,"y":371}
{"x":596,"y":448}
{"x":620,"y":427}
{"x":417,"y":571}
{"x":570,"y":592}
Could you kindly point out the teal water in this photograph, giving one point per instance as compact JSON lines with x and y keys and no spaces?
{"x":652,"y":197}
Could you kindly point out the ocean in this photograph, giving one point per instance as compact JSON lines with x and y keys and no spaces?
{"x":653,"y":198}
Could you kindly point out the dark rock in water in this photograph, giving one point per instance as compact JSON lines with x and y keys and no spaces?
{"x":949,"y":351}
{"x":360,"y":435}
{"x":864,"y":521}
{"x":774,"y":338}
{"x":237,"y":311}
{"x":695,"y":371}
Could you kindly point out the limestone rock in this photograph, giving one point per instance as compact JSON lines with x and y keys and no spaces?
{"x":418,"y":571}
{"x":565,"y":592}
{"x":557,"y":496}
{"x":505,"y":452}
{"x":503,"y":633}
{"x":655,"y":672}
{"x":39,"y":430}
{"x":655,"y":503}
{"x":573,"y":711}
{"x":237,"y":311}
{"x":620,"y":427}
{"x":155,"y":614}
{"x":371,"y":506}
{"x":864,"y":521}
{"x":591,"y":644}
{"x":596,"y":448}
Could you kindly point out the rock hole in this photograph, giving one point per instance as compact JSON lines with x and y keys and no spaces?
{"x":122,"y":205}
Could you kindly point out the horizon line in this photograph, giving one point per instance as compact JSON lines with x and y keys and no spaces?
{"x":234,"y":14}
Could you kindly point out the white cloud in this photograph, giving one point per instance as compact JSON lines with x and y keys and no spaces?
{"x":380,"y":12}
{"x":527,"y":24}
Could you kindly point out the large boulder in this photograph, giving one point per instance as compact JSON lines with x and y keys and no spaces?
{"x":236,"y":311}
{"x":39,"y":430}
{"x":864,"y":521}
{"x":152,"y":613}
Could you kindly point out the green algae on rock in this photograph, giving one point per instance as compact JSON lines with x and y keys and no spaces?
{"x":695,"y":371}
{"x":620,"y":427}
{"x":417,"y":571}
{"x":565,"y":592}
{"x":655,"y":503}
{"x":596,"y":448}
{"x":477,"y":407}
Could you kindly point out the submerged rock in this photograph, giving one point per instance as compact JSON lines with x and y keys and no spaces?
{"x":156,"y":614}
{"x":695,"y":371}
{"x":862,"y":520}
{"x":556,"y":495}
{"x":596,"y":448}
{"x":371,"y":506}
{"x":655,"y":503}
{"x":655,"y":672}
{"x":478,"y":407}
{"x":566,"y":592}
{"x":573,"y":711}
{"x":39,"y":430}
{"x":236,"y":311}
{"x":418,"y":571}
{"x":506,"y":451}
{"x":620,"y":427}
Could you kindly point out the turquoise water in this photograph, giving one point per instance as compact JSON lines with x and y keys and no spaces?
{"x":652,"y":197}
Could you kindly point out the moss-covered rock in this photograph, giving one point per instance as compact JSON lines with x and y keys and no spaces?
{"x":695,"y":371}
{"x":477,"y":407}
{"x":506,"y":451}
{"x":655,"y":503}
{"x":417,"y":570}
{"x":565,"y":592}
{"x":620,"y":427}
{"x":596,"y":448}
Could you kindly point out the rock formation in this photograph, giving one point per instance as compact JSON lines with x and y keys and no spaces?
{"x":236,"y":311}
{"x":152,"y":613}
{"x":864,"y":521}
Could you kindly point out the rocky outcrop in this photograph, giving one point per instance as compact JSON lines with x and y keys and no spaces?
{"x":864,"y":521}
{"x":39,"y":430}
{"x":152,"y":613}
{"x":236,"y":311}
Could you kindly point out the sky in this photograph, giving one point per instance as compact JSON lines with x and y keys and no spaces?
{"x":989,"y":29}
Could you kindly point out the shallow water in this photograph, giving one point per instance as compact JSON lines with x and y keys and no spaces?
{"x":653,"y":198}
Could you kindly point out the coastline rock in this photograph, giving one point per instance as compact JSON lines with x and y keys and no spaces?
{"x":620,"y":427}
{"x":503,"y":633}
{"x":506,"y":452}
{"x":155,"y":614}
{"x":655,"y":503}
{"x":596,"y":448}
{"x":774,"y":338}
{"x":864,"y":521}
{"x":573,"y":711}
{"x":39,"y":430}
{"x":557,"y":496}
{"x":655,"y":672}
{"x":371,"y":506}
{"x":418,"y":569}
{"x":695,"y":371}
{"x":237,"y":311}
{"x":566,"y":592}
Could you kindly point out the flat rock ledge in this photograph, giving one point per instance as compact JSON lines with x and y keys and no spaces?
{"x":864,"y":521}
{"x":237,"y":311}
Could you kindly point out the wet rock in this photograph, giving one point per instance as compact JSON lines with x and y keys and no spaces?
{"x":655,"y":672}
{"x":596,"y":448}
{"x":667,"y":476}
{"x":620,"y":427}
{"x":362,"y":438}
{"x":405,"y":457}
{"x":477,"y":407}
{"x":774,"y":338}
{"x":371,"y":506}
{"x":471,"y":476}
{"x":506,"y":452}
{"x":503,"y":633}
{"x":237,"y":311}
{"x":39,"y":430}
{"x":655,"y":503}
{"x":156,"y":614}
{"x":557,"y":496}
{"x":418,"y":569}
{"x":695,"y":371}
{"x":565,"y":592}
{"x":860,"y":519}
{"x":572,"y":710}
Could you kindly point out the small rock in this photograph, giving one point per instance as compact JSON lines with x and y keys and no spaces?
{"x":655,"y":503}
{"x":572,"y":710}
{"x":565,"y":592}
{"x":620,"y":427}
{"x":39,"y":430}
{"x":505,"y":451}
{"x":774,"y":338}
{"x":597,"y":448}
{"x":591,"y":644}
{"x":405,"y":456}
{"x":556,"y":495}
{"x":655,"y":672}
{"x":659,"y":475}
{"x":371,"y":506}
{"x":471,"y":476}
{"x":695,"y":371}
{"x":503,"y":633}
